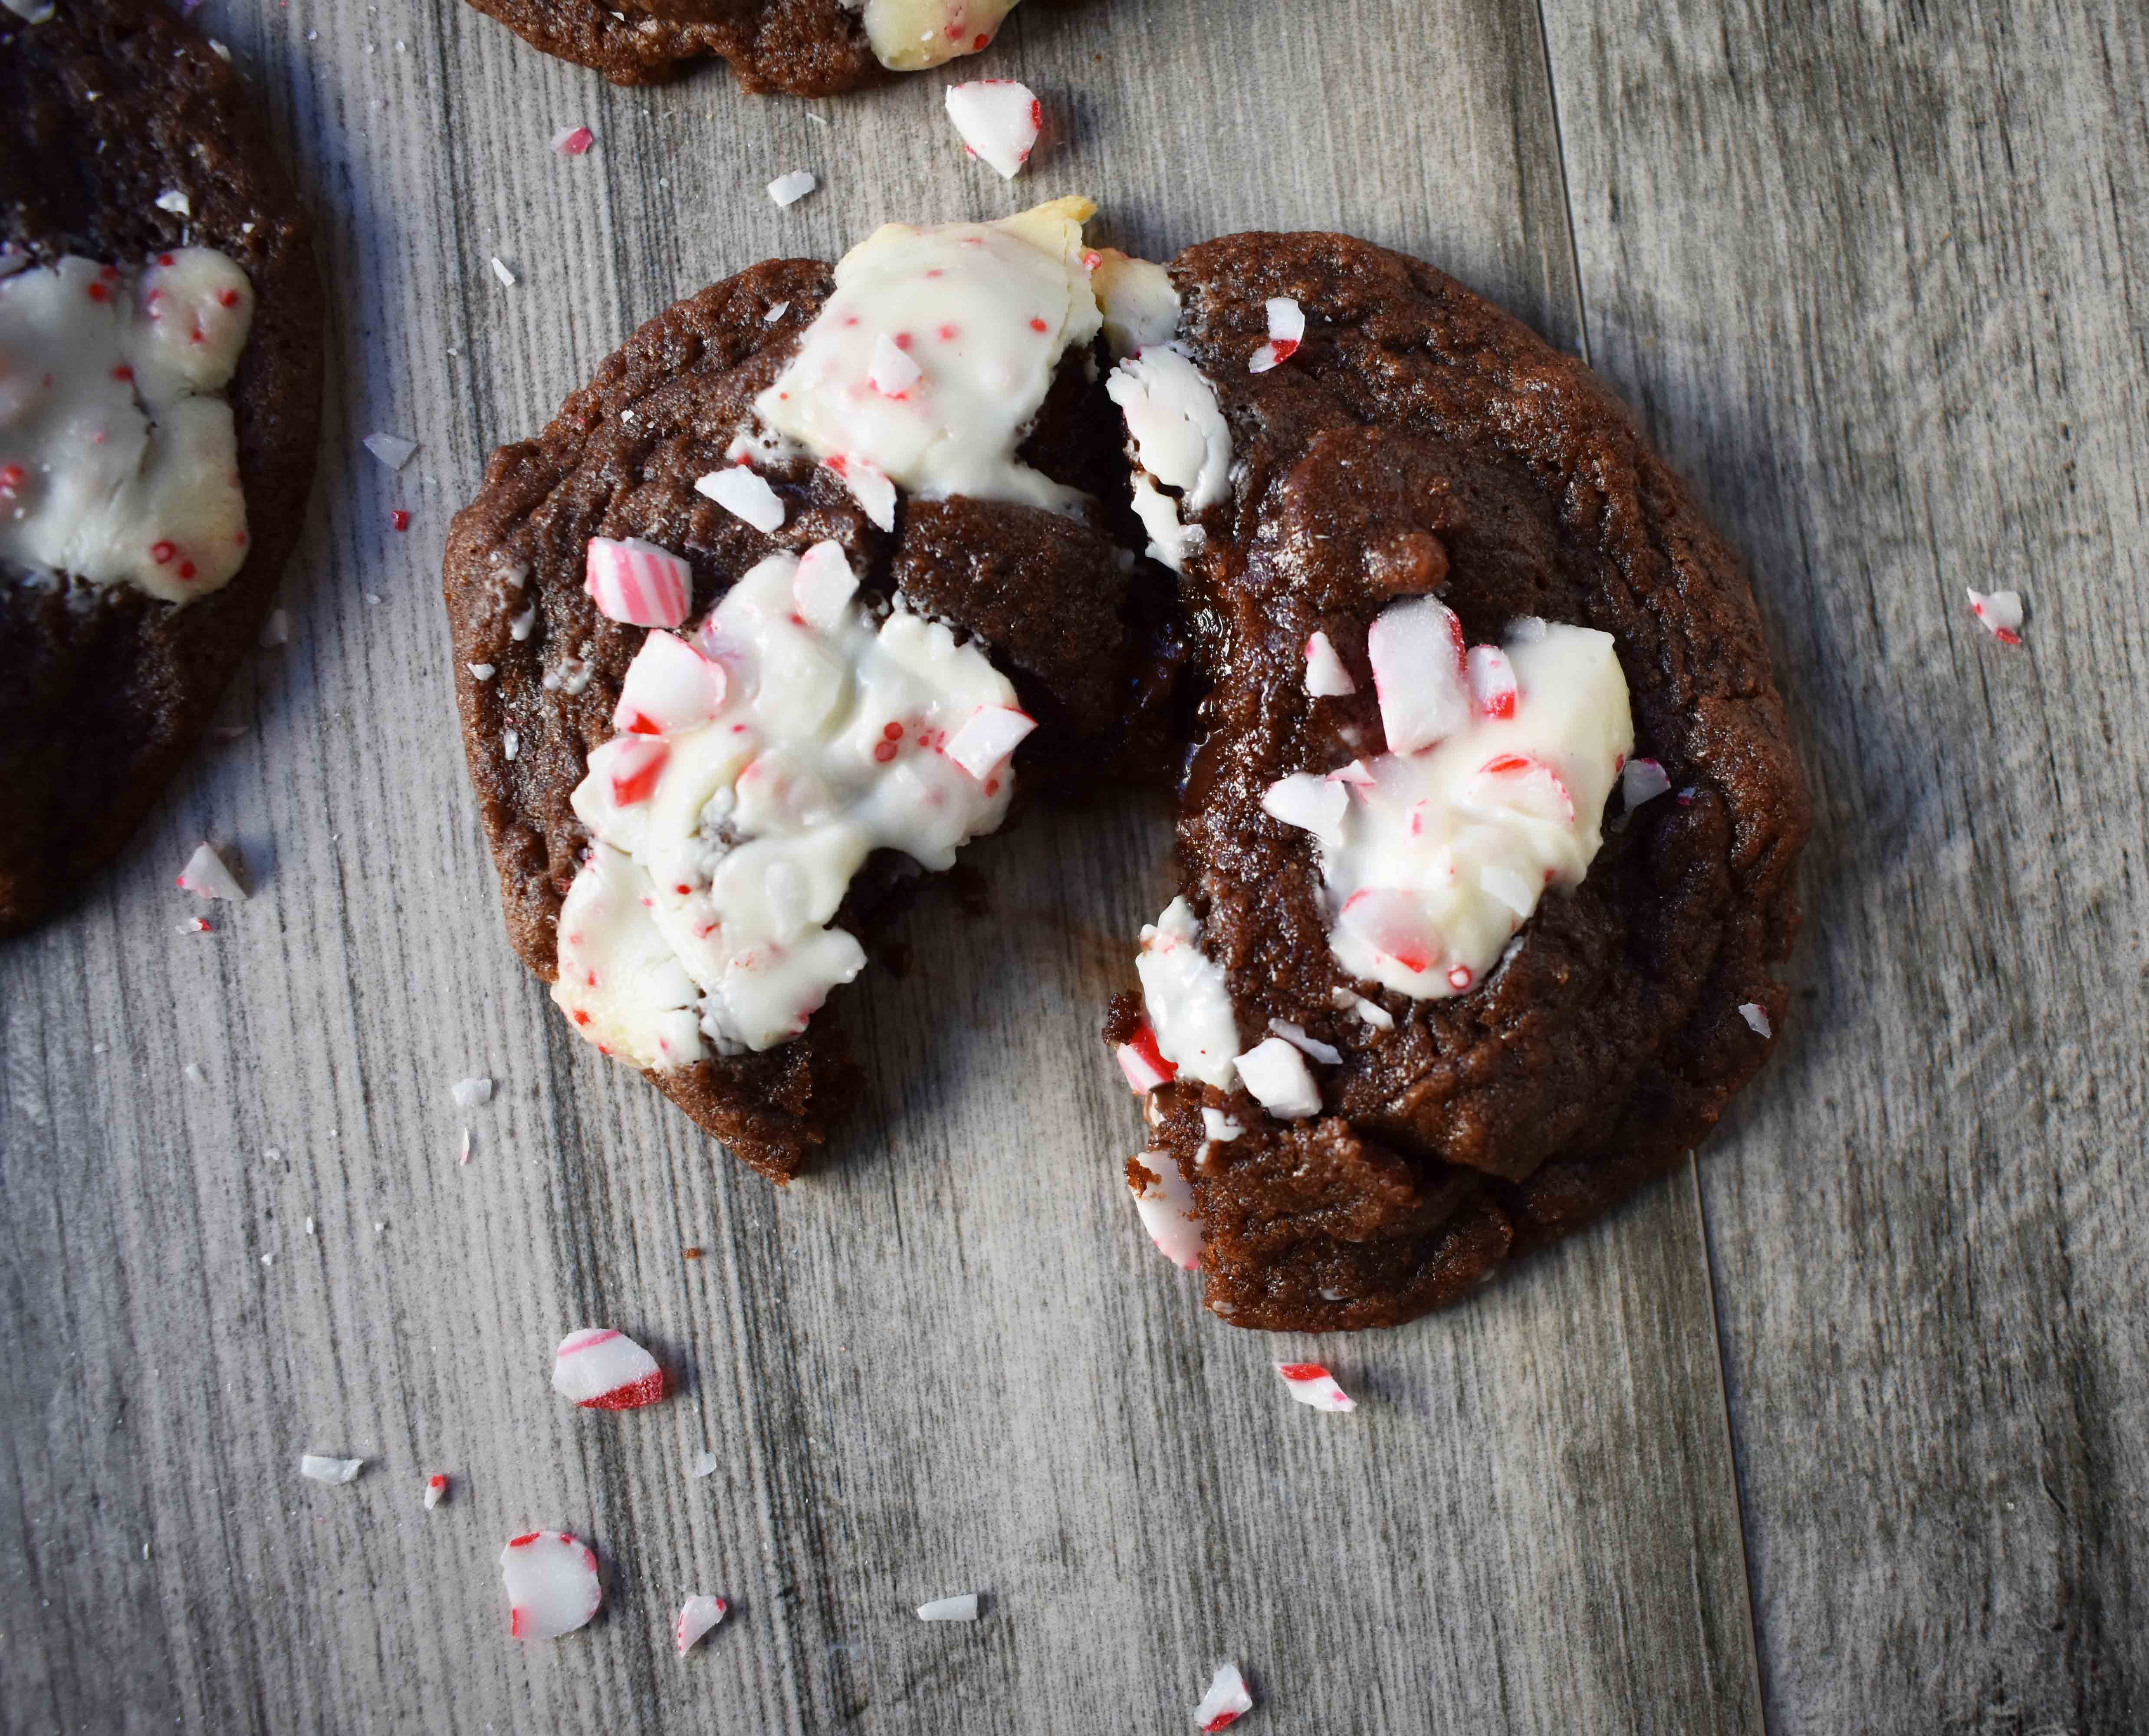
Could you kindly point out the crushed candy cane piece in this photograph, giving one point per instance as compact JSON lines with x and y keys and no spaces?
{"x":744,"y":494}
{"x":1295,"y":1036}
{"x":705,"y":1465}
{"x":869,"y":487}
{"x":635,"y":582}
{"x":1226,"y":1702}
{"x":1143,"y":1062}
{"x":1417,"y":650}
{"x":602,"y":1370}
{"x":469,"y":1093}
{"x":987,"y":737}
{"x":776,"y":312}
{"x":962,"y":1609}
{"x":206,"y":876}
{"x":275,"y":630}
{"x":1219,"y":1127}
{"x":480,"y":672}
{"x":1999,"y":613}
{"x":1492,"y":681}
{"x":1311,"y":802}
{"x":999,"y":121}
{"x":322,"y":1470}
{"x":392,"y":450}
{"x":552,"y":1585}
{"x":824,"y":583}
{"x":1640,"y":780}
{"x":1345,"y":1000}
{"x":437,"y":1485}
{"x":1275,"y":1073}
{"x":670,"y":685}
{"x":789,"y":189}
{"x":1286,"y":332}
{"x":1326,"y":676}
{"x":891,"y":372}
{"x":573,"y":141}
{"x":1165,"y":1205}
{"x":195,"y":925}
{"x":31,"y":12}
{"x":500,"y":271}
{"x":1311,"y":1384}
{"x":1757,"y":1018}
{"x":176,"y":202}
{"x":697,"y":1616}
{"x":463,"y":1154}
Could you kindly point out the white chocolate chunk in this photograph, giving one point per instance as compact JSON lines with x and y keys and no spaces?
{"x":908,"y":35}
{"x":1189,"y":1006}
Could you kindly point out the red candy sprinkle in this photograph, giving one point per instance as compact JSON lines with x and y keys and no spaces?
{"x":160,"y":552}
{"x":12,"y":476}
{"x":227,"y":298}
{"x":1039,"y":325}
{"x":399,"y":519}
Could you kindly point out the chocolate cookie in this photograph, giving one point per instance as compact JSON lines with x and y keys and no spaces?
{"x":135,"y":173}
{"x":549,"y":676}
{"x":1411,"y":467}
{"x":804,"y":48}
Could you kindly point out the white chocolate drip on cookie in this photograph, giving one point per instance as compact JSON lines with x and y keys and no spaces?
{"x":760,"y":762}
{"x":908,"y":35}
{"x":927,"y":366}
{"x":118,"y":465}
{"x":1432,"y":858}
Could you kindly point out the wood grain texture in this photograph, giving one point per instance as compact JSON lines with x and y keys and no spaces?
{"x":1875,"y":274}
{"x":951,"y":1361}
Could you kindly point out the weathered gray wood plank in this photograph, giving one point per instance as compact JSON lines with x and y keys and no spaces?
{"x":953,"y":1361}
{"x":1874,"y":274}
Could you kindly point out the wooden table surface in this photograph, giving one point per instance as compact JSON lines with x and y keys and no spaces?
{"x":1842,"y":1428}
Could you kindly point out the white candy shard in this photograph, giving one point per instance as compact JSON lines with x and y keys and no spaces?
{"x":1642,"y":780}
{"x":1311,"y":1384}
{"x":705,"y":1464}
{"x":1226,"y":1702}
{"x":964,"y":1609}
{"x":1313,"y":1046}
{"x":1999,"y":613}
{"x":1286,"y":331}
{"x":999,"y":121}
{"x":30,"y":11}
{"x":392,"y":450}
{"x":500,"y":271}
{"x":328,"y":1470}
{"x":823,"y":583}
{"x":1309,"y":801}
{"x":437,"y":1485}
{"x":1139,"y":306}
{"x":602,"y":1370}
{"x":744,"y":494}
{"x":1188,"y":1003}
{"x":206,"y":876}
{"x":176,"y":202}
{"x":276,"y":630}
{"x":1417,"y":650}
{"x":669,"y":687}
{"x":869,"y":487}
{"x":987,"y":737}
{"x":1756,"y":1017}
{"x":1277,"y":1074}
{"x":1165,"y":1203}
{"x":469,"y":1093}
{"x":698,"y":1615}
{"x":1219,"y":1127}
{"x":789,"y":189}
{"x":637,"y":583}
{"x":893,"y":373}
{"x":552,"y":1585}
{"x":1345,"y":1000}
{"x":1326,"y":676}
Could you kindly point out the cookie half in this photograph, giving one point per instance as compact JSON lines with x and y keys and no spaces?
{"x":161,"y":322}
{"x":803,"y":48}
{"x":754,"y":628}
{"x":1488,"y":847}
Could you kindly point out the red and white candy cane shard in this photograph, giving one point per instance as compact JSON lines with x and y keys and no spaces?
{"x":1492,"y":682}
{"x":869,"y":487}
{"x":670,"y":686}
{"x":893,"y":373}
{"x":1286,"y":332}
{"x":999,"y":121}
{"x":1311,"y":1384}
{"x":633,"y":763}
{"x":637,"y":582}
{"x":437,"y":1490}
{"x":1999,"y":613}
{"x":1524,"y":784}
{"x":1642,"y":780}
{"x":602,"y":1370}
{"x":822,"y":584}
{"x":552,"y":1586}
{"x":1417,"y":650}
{"x":987,"y":737}
{"x":206,"y":876}
{"x":1165,"y":1205}
{"x":1226,"y":1702}
{"x":573,"y":141}
{"x":1326,"y":676}
{"x":1143,"y":1062}
{"x":1757,"y":1018}
{"x":698,"y":1615}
